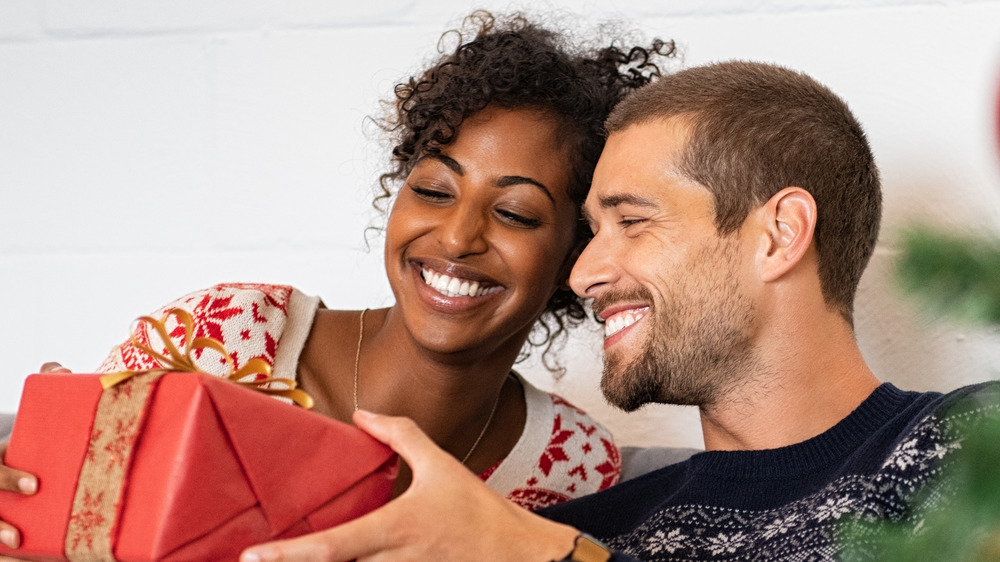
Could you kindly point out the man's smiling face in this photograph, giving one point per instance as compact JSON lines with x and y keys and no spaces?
{"x":678,"y":324}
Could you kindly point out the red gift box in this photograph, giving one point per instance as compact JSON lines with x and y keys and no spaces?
{"x":215,"y":468}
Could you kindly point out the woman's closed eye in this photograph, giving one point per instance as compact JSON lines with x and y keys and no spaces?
{"x":430,"y":193}
{"x":518,"y":219}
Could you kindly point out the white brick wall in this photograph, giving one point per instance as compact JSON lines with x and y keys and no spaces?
{"x":150,"y":148}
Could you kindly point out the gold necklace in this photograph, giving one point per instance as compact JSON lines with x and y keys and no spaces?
{"x":357,"y":362}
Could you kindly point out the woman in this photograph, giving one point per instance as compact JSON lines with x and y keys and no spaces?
{"x":494,"y":147}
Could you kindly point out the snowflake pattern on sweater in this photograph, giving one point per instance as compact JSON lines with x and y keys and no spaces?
{"x":792,"y":503}
{"x":248,"y":319}
{"x":562,"y":454}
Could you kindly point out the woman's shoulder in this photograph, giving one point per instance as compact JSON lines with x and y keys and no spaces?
{"x":564,"y":453}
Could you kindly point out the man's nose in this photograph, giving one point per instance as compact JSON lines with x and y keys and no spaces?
{"x":596,"y":268}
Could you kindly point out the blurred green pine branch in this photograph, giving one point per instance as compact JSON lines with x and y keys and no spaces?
{"x":954,"y":275}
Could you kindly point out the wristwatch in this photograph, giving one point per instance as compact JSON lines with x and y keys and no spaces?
{"x":587,"y":549}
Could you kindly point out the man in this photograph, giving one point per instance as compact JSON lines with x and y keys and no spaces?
{"x":734,"y":209}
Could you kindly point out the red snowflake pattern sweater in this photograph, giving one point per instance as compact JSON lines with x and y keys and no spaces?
{"x":562,"y":453}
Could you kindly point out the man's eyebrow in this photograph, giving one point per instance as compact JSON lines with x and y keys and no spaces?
{"x":610,"y":201}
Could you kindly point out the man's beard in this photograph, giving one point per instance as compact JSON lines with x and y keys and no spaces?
{"x":698,"y":346}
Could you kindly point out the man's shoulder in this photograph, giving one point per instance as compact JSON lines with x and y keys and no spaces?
{"x":937,"y":428}
{"x":984,"y":392}
{"x":960,"y":405}
{"x":969,"y":406}
{"x":964,"y":403}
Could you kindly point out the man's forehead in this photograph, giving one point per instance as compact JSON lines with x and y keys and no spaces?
{"x":658,"y":142}
{"x":636,"y":157}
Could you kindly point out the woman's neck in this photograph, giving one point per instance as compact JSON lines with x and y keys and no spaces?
{"x":451,"y":396}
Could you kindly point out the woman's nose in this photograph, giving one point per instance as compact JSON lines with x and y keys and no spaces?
{"x":463,"y":231}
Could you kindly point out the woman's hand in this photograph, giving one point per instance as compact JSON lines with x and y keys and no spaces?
{"x":18,"y":481}
{"x":447,"y":513}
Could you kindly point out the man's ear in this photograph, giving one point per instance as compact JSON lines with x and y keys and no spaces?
{"x":788,"y":220}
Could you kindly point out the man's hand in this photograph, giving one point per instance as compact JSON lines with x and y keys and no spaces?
{"x":447,"y":513}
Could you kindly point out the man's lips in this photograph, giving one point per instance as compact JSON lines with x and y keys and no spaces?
{"x":618,"y":318}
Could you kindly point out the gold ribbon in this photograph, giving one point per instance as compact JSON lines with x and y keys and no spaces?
{"x":183,"y":361}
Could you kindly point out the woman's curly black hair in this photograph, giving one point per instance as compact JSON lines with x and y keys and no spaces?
{"x":512,"y":62}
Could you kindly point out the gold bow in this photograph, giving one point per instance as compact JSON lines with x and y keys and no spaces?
{"x":176,"y":360}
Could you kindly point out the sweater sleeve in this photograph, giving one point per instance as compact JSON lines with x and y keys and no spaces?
{"x":249,"y":320}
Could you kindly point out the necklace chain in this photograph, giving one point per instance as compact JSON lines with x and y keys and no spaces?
{"x":357,"y":355}
{"x":357,"y":362}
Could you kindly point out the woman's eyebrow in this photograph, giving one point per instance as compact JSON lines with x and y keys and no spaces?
{"x":448,"y":161}
{"x":506,"y":181}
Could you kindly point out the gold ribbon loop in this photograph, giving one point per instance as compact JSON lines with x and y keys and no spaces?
{"x":183,"y":361}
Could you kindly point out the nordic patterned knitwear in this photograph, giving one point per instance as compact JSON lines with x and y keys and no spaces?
{"x":787,"y":504}
{"x":562,"y":453}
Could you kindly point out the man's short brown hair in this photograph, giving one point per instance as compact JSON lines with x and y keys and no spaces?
{"x":758,"y":128}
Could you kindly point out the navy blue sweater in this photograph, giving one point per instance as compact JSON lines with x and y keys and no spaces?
{"x":786,"y":503}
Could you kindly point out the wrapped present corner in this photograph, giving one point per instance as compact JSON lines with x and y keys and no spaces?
{"x":201,"y":469}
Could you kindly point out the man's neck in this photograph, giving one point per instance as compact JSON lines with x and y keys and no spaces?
{"x":802,"y":390}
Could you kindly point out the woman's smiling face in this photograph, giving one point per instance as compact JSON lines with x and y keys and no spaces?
{"x":479,"y":236}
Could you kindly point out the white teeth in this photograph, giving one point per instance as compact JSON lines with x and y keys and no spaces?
{"x":622,"y":320}
{"x":453,"y":286}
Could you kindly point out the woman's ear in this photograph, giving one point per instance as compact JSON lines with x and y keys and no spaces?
{"x":789,"y":221}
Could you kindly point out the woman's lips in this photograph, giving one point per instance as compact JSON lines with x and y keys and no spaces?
{"x":453,"y":286}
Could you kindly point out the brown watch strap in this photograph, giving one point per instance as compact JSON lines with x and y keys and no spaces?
{"x":587,"y":549}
